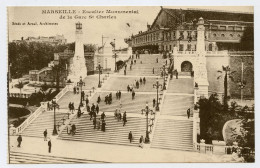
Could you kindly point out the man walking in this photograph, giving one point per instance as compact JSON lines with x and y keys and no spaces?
{"x":45,"y":135}
{"x":97,"y":108}
{"x":49,"y":145}
{"x":141,"y":140}
{"x":130,"y":137}
{"x":87,"y":101}
{"x":19,"y":140}
{"x":119,"y":94}
{"x":133,"y":95}
{"x":124,"y":118}
{"x":188,"y":113}
{"x":94,"y":122}
{"x":177,"y":74}
{"x":98,"y":99}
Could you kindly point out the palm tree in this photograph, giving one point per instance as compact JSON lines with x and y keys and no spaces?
{"x":20,"y":86}
{"x":227,"y":74}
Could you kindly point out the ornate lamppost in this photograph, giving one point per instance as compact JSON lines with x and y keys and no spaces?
{"x":80,"y":84}
{"x":115,"y":55}
{"x":157,"y":85}
{"x":99,"y":68}
{"x":54,"y":105}
{"x":147,"y":110}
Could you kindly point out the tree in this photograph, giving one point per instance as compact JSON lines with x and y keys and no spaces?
{"x":227,"y":74}
{"x":20,"y":86}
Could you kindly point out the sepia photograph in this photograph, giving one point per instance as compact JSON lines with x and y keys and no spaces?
{"x":130,"y":84}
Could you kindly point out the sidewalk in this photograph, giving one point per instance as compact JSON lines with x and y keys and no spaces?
{"x":109,"y":153}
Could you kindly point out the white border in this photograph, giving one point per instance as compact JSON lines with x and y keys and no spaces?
{"x":3,"y":70}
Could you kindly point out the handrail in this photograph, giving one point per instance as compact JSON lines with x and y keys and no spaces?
{"x":28,"y":120}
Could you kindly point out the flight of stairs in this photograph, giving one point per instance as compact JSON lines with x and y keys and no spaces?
{"x":181,"y":85}
{"x":115,"y":132}
{"x":173,"y":134}
{"x":128,"y":105}
{"x":42,"y":122}
{"x":177,"y":105}
{"x":27,"y":158}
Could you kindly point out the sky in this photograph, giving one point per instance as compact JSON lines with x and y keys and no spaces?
{"x":93,"y":29}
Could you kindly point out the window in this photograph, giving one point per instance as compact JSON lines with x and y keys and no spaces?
{"x":222,"y":35}
{"x":189,"y":47}
{"x":181,"y":47}
{"x":222,"y":27}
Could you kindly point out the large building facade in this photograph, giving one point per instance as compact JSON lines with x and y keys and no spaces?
{"x":178,"y":28}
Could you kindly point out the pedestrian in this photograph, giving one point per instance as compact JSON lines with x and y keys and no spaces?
{"x":79,"y":112}
{"x":45,"y":134}
{"x":188,"y":113}
{"x":128,"y":88}
{"x":115,"y":114}
{"x":130,"y":136}
{"x":153,"y":102}
{"x":144,"y":80}
{"x":19,"y":140}
{"x":49,"y":145}
{"x":137,"y":84}
{"x":141,"y":81}
{"x":93,"y":107}
{"x":91,"y":114}
{"x":72,"y":108}
{"x":119,"y":94}
{"x":74,"y":90}
{"x":119,"y":116}
{"x":124,"y":118}
{"x":156,"y":60}
{"x":103,"y":126}
{"x":141,"y":140}
{"x":94,"y":122}
{"x":73,"y":129}
{"x":124,"y":72}
{"x":153,"y":70}
{"x":98,"y":124}
{"x":88,"y":108}
{"x":94,"y":114}
{"x":177,"y":74}
{"x":133,"y":95}
{"x":106,"y":99}
{"x":103,"y":116}
{"x":98,"y":99}
{"x":97,"y":108}
{"x":87,"y":100}
{"x":132,"y":62}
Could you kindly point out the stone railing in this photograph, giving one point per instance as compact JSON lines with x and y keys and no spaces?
{"x":186,"y":52}
{"x":62,"y":92}
{"x":242,"y":53}
{"x":33,"y":116}
{"x":20,"y":95}
{"x":210,"y":53}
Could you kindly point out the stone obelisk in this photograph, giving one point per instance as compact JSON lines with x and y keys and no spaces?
{"x":78,"y":68}
{"x":200,"y":75}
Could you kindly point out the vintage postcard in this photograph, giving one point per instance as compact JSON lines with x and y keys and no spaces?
{"x":130,"y":84}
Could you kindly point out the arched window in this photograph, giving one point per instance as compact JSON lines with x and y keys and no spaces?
{"x":222,"y":35}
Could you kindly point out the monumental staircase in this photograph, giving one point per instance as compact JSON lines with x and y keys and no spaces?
{"x":28,"y":158}
{"x":115,"y":132}
{"x":42,"y":122}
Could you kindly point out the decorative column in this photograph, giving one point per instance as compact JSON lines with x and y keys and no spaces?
{"x":200,"y":70}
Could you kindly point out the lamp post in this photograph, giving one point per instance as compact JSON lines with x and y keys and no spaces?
{"x":115,"y":55}
{"x":157,"y":85}
{"x":80,"y":84}
{"x":99,"y":68}
{"x":164,"y":76}
{"x":147,"y":110}
{"x":54,"y":105}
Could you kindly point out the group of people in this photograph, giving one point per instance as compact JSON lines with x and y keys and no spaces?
{"x":71,"y":129}
{"x":108,"y":98}
{"x":118,"y":116}
{"x":71,"y":107}
{"x":141,"y":139}
{"x":118,"y":95}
